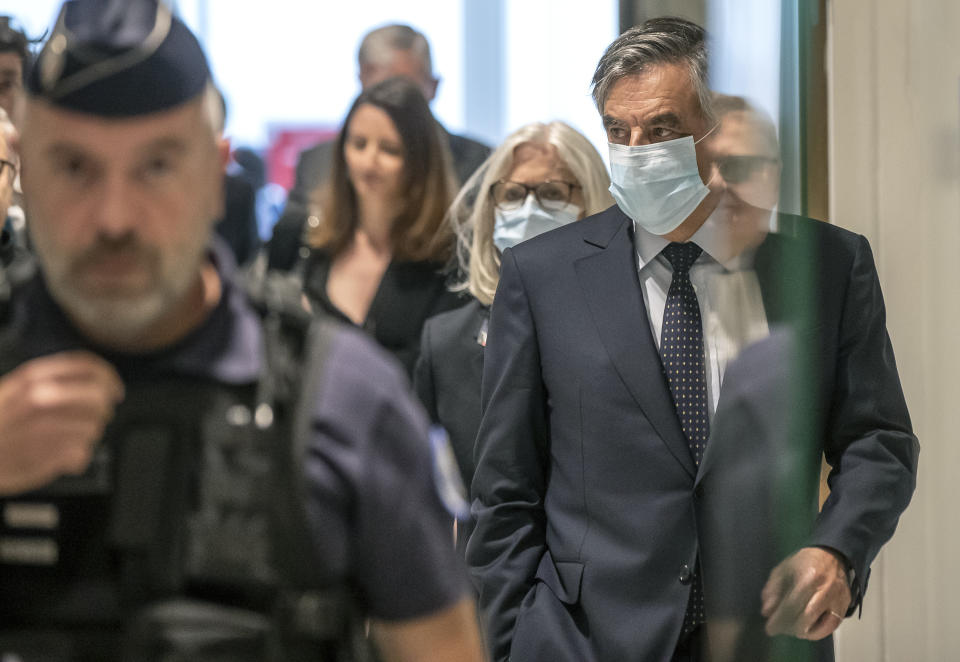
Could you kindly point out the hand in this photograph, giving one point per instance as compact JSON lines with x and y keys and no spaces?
{"x":449,"y":634}
{"x":53,"y":410}
{"x":806,"y":595}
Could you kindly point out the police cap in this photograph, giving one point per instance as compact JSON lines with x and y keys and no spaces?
{"x":118,"y":58}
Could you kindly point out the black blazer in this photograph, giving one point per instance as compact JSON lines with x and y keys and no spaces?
{"x":314,"y":166}
{"x":409,"y":293}
{"x":584,"y":490}
{"x":447,"y":380}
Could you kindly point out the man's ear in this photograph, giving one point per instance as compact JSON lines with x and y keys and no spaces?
{"x":430,"y":89}
{"x":223,"y":150}
{"x":365,"y":75}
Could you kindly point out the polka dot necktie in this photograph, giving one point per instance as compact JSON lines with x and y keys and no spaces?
{"x":681,"y":351}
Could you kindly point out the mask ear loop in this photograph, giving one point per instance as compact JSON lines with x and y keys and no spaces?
{"x":714,"y":169}
{"x":704,"y":136}
{"x":713,"y":166}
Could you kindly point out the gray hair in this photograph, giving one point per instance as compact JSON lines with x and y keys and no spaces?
{"x":472,"y":213}
{"x":379,"y":45}
{"x":665,"y":40}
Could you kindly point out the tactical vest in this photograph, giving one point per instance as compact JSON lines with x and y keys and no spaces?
{"x":187,"y":538}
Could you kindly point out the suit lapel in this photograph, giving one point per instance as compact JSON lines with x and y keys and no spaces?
{"x":715,"y":444}
{"x":611,"y":288}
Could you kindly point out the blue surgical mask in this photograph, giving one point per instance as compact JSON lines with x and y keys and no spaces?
{"x":657,"y":185}
{"x":516,"y":225}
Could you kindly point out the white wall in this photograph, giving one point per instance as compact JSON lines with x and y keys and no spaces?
{"x":295,"y":62}
{"x":746,"y":37}
{"x":34,"y":16}
{"x":552,"y":50}
{"x":895,"y":177}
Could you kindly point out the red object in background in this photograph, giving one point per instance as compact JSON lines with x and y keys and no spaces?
{"x":286,"y":143}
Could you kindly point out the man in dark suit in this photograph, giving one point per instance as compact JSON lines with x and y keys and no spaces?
{"x":608,"y":345}
{"x":391,"y":50}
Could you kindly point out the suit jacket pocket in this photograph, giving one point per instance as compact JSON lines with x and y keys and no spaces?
{"x":547,"y":628}
{"x":563,"y":578}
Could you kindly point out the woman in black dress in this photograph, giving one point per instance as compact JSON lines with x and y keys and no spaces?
{"x":378,"y":239}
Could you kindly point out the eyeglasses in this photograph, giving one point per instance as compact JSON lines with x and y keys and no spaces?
{"x":509,"y":195}
{"x":7,"y":164}
{"x":738,"y":169}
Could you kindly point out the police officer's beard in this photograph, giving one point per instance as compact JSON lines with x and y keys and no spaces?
{"x":120,"y":316}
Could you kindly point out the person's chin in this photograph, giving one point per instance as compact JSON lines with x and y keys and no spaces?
{"x":120,"y":277}
{"x":114,"y":318}
{"x":368,"y":188}
{"x":376,"y":183}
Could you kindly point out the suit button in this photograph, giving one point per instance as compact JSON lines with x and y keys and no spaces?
{"x":698,"y":493}
{"x":685,"y":575}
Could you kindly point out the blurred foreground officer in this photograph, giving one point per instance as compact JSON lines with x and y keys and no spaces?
{"x":174,"y":487}
{"x":607,"y":349}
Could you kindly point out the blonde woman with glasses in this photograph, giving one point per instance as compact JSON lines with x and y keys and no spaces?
{"x":543,"y":176}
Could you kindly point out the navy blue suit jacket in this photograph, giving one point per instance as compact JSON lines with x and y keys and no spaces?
{"x":585,"y":491}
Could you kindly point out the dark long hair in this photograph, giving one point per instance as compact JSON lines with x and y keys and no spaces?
{"x":419,"y":232}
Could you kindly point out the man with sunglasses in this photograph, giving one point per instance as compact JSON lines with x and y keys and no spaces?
{"x":745,"y":157}
{"x":613,"y":386}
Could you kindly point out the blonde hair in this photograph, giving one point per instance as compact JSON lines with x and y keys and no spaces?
{"x":472,"y":212}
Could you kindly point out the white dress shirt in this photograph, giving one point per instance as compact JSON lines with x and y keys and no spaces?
{"x":731,"y":307}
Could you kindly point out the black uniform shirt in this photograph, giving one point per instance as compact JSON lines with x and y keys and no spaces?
{"x":376,"y":517}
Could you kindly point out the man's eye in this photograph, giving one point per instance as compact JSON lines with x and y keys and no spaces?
{"x":616,"y":132}
{"x":74,"y":167}
{"x":663,"y":132}
{"x":157,"y":167}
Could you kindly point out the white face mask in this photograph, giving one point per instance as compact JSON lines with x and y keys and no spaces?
{"x":657,"y":185}
{"x":516,"y":225}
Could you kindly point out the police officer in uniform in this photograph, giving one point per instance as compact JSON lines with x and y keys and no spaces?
{"x":172,"y":484}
